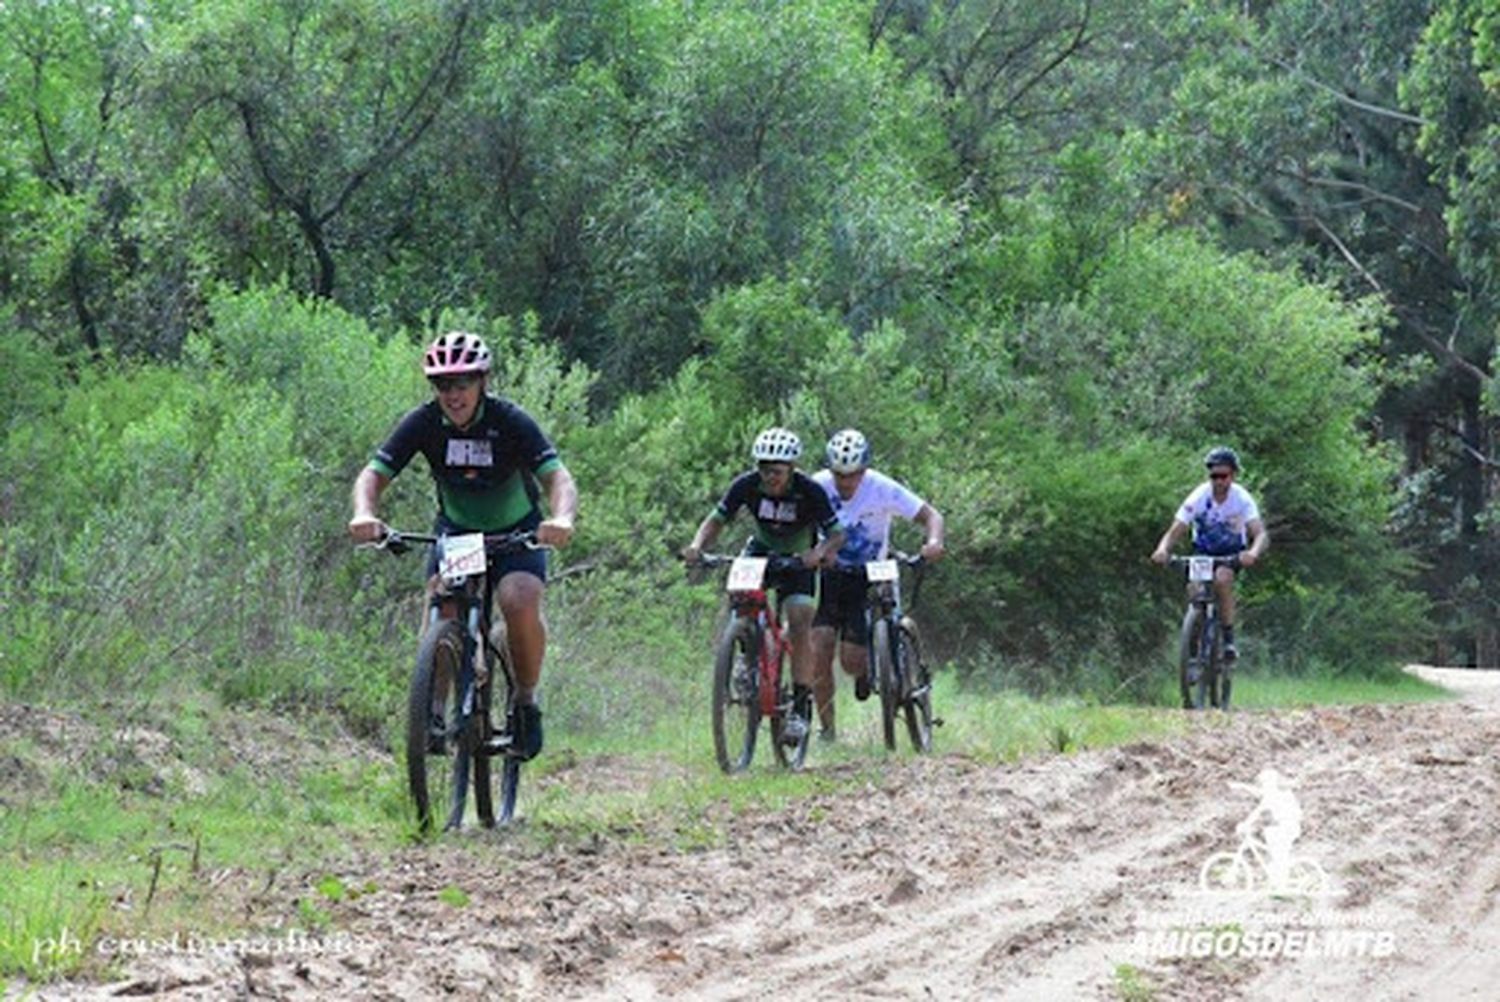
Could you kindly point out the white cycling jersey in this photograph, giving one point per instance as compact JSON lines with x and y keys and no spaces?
{"x":1219,"y":530}
{"x":866,"y":517}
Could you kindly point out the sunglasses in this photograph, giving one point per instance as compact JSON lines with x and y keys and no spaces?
{"x":445,"y":383}
{"x":1220,"y":476}
{"x":775,"y":469}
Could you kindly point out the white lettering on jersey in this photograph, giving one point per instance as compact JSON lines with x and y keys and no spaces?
{"x":470,"y":452}
{"x":772,"y":510}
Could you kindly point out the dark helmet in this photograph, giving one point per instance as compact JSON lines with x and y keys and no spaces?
{"x":1222,"y":455}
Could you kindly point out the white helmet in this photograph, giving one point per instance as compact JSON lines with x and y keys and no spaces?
{"x":776,"y":445}
{"x":456,"y":354}
{"x":848,"y":451}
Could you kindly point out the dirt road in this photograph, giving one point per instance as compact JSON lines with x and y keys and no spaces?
{"x":1055,"y":878}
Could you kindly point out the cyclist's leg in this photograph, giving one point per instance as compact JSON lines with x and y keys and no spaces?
{"x":519,"y":599}
{"x":1224,"y":586}
{"x":799,"y":617}
{"x":824,"y":640}
{"x":796,"y":591}
{"x":518,"y":596}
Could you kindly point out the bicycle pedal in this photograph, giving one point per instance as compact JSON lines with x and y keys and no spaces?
{"x":937,"y":721}
{"x":498,"y":744}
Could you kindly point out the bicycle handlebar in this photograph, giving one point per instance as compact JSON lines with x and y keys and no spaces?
{"x":1233,"y":560}
{"x":399,"y":541}
{"x":774,"y":561}
{"x":904,"y":559}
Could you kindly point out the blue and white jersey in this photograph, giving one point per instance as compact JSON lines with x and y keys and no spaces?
{"x":866,"y":517}
{"x":1219,"y":530}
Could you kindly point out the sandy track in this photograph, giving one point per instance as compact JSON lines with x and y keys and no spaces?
{"x":955,"y":880}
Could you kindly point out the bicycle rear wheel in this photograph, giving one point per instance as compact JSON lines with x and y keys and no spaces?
{"x":789,"y":756}
{"x":795,"y":755}
{"x":736,"y":706}
{"x":1189,"y":671}
{"x":885,"y":678}
{"x":439,"y":747}
{"x":916,"y":703}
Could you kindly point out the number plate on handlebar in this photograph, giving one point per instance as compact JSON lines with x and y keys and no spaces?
{"x":881,"y":570}
{"x":1200,"y":568}
{"x":462,"y":556}
{"x":746,"y":573}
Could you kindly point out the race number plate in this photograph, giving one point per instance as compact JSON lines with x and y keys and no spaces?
{"x":1200,"y":568}
{"x":881,"y":570}
{"x":746,"y":573}
{"x":462,"y":556}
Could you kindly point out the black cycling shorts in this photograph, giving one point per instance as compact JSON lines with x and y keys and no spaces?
{"x":800,"y":583}
{"x":533,"y":562}
{"x":842,"y":603}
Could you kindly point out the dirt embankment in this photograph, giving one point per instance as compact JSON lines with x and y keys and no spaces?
{"x":1061,"y":877}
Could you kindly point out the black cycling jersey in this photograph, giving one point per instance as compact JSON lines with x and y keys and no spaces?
{"x":485,"y":473}
{"x":786,"y":524}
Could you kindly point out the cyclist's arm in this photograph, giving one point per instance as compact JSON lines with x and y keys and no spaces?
{"x":1260,"y":540}
{"x":707,"y":533}
{"x":824,"y":552}
{"x":932,"y":520}
{"x":1168,"y":540}
{"x":562,"y":504}
{"x":365,"y":526}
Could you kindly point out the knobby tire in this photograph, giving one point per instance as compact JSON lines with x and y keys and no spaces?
{"x":916,"y":703}
{"x":795,"y":756}
{"x":885,"y":680}
{"x":736,"y":707}
{"x":434,"y":774}
{"x":1192,"y":624}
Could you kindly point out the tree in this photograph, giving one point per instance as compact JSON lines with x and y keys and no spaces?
{"x":302,"y":105}
{"x":70,"y":74}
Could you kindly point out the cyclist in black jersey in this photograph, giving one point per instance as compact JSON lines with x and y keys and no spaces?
{"x":491,"y":463}
{"x":792,"y":515}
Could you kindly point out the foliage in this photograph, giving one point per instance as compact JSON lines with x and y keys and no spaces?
{"x":1043,"y":258}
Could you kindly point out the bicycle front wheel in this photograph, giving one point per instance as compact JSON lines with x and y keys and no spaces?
{"x":916,"y":703}
{"x":484,"y":800}
{"x":1211,"y":658}
{"x":1223,"y":674}
{"x":885,"y":678}
{"x":736,"y":706}
{"x":439,"y":747}
{"x":1189,"y":670}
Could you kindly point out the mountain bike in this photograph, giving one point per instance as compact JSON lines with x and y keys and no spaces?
{"x":750,"y":681}
{"x":450,"y":731}
{"x":897,"y":669}
{"x":1203,"y":674}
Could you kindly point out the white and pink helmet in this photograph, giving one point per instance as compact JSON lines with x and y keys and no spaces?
{"x":456,"y":354}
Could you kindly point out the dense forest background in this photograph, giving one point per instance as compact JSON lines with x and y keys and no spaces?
{"x":1044,"y":255}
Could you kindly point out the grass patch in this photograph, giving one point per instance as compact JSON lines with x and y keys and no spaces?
{"x":1266,"y":692}
{"x":114,"y":845}
{"x":1131,"y":985}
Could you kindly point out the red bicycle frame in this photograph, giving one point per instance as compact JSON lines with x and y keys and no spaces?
{"x":773,"y":645}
